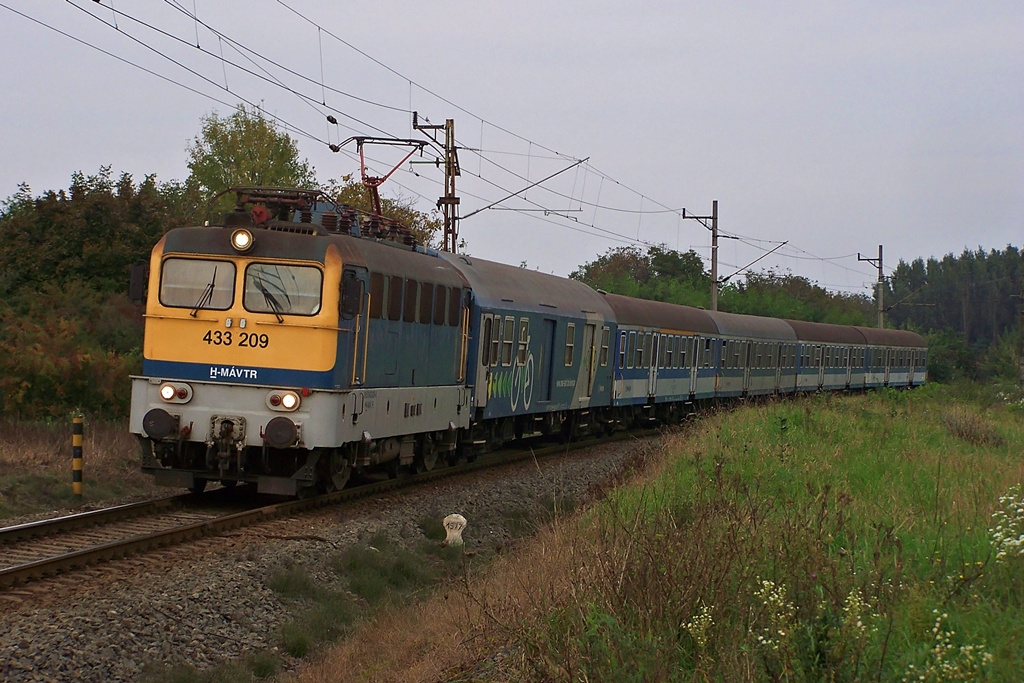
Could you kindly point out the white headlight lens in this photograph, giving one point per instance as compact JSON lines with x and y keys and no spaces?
{"x":289,"y":401}
{"x":167,"y":392}
{"x":241,"y":240}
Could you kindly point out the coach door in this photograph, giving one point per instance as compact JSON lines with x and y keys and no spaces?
{"x":589,"y":361}
{"x":692,"y":350}
{"x":650,"y":356}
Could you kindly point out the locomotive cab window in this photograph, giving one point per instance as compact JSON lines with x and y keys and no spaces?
{"x":197,"y":284}
{"x":351,"y":295}
{"x":282,"y":289}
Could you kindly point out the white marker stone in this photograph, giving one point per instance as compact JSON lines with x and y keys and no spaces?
{"x":454,"y":525}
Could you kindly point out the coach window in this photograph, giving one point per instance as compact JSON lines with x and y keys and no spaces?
{"x":648,"y":347}
{"x":606,"y":339}
{"x":638,"y":351}
{"x":440,"y":304}
{"x":622,"y":349}
{"x":508,"y":341}
{"x":495,"y":340}
{"x":485,"y":341}
{"x":426,"y":301}
{"x":524,"y":340}
{"x":670,"y":347}
{"x":196,"y":284}
{"x":276,"y":288}
{"x":570,"y":342}
{"x":631,"y":350}
{"x":455,"y":307}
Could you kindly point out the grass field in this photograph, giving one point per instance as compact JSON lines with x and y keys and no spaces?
{"x":834,"y":538}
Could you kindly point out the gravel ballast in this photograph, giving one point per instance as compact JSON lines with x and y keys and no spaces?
{"x":208,"y":602}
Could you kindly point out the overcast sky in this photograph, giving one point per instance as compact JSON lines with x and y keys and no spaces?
{"x":835,"y":126}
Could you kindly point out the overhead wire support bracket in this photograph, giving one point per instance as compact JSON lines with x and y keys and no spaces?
{"x":518,"y":192}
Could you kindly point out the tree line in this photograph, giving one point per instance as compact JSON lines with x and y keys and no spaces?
{"x":69,"y":338}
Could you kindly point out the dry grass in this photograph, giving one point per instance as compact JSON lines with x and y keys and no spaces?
{"x":473,"y":629}
{"x":463,"y":624}
{"x":35,"y":465}
{"x":966,"y":424}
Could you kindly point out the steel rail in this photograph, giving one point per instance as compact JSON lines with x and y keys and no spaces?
{"x":77,"y":559}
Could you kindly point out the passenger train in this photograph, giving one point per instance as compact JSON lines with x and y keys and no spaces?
{"x":299,"y":342}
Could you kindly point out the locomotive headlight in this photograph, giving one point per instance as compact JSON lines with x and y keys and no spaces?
{"x":283,"y":401}
{"x":175,"y":392}
{"x":241,"y":240}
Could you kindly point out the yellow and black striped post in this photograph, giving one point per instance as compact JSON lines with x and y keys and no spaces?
{"x":76,"y":458}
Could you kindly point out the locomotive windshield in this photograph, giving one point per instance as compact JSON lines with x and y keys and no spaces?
{"x":277,"y":289}
{"x":196,"y":284}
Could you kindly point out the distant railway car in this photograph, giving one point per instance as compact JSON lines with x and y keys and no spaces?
{"x":297,"y":343}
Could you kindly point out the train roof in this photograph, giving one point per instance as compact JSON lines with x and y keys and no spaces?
{"x":496,"y":285}
{"x":877,"y":337}
{"x":825,"y":333}
{"x":645,"y":313}
{"x":752,"y":326}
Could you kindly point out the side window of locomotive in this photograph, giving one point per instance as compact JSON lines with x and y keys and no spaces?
{"x":426,"y":302}
{"x":196,"y":284}
{"x":485,"y":344}
{"x":395,"y":297}
{"x":440,"y":304}
{"x":606,"y":339}
{"x":524,"y":340}
{"x":455,"y":307}
{"x":570,"y":343}
{"x":377,"y":296}
{"x":277,"y":288}
{"x":351,"y":296}
{"x":508,"y":341}
{"x":412,"y":289}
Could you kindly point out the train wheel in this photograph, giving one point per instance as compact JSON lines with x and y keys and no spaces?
{"x":339,"y":471}
{"x":426,"y":459}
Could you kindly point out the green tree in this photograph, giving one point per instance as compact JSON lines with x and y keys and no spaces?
{"x":243,"y":149}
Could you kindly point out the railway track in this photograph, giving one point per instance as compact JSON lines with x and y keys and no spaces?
{"x":37,"y":550}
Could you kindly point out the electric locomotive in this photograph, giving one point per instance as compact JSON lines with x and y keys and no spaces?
{"x":294,"y":344}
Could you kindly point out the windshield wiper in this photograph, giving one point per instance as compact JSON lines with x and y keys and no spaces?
{"x":275,"y":306}
{"x":207,"y":296}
